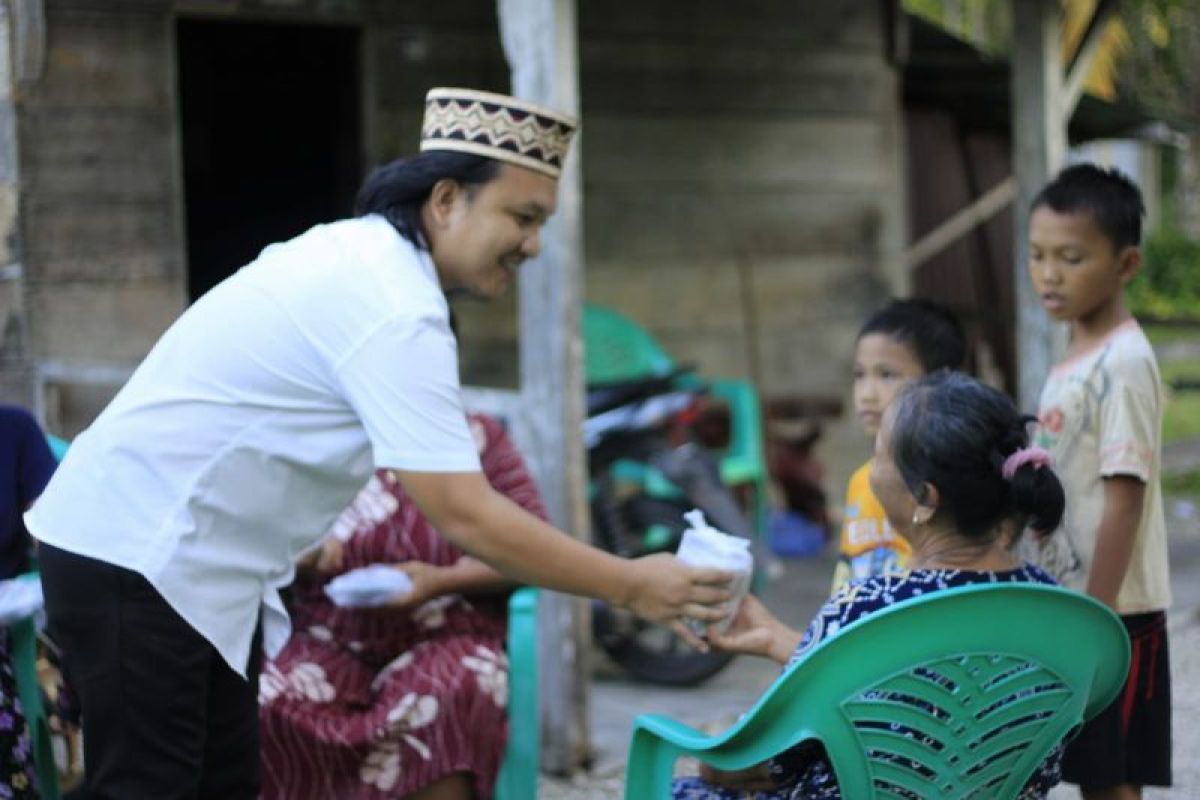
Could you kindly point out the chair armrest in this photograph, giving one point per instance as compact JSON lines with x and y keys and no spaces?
{"x":22,"y":652}
{"x":673,"y":731}
{"x":522,"y":757}
{"x":657,"y":742}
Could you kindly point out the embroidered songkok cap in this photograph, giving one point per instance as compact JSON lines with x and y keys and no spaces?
{"x":497,"y":126}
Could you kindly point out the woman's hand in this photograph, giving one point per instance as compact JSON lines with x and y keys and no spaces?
{"x":667,"y":591}
{"x":428,"y":583}
{"x":756,"y":631}
{"x":327,"y":559}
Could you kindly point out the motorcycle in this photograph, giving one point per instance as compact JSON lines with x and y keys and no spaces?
{"x":648,"y":466}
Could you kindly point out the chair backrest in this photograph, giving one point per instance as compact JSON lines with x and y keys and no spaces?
{"x":616,"y":349}
{"x":988,"y":679}
{"x":58,"y":446}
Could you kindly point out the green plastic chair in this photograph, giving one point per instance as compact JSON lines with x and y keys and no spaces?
{"x":617,"y":349}
{"x":22,"y":641}
{"x":522,"y":758}
{"x":1009,"y":669}
{"x":22,"y":644}
{"x":58,"y":446}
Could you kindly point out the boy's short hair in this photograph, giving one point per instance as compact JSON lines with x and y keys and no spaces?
{"x":1110,"y":196}
{"x":931,"y":331}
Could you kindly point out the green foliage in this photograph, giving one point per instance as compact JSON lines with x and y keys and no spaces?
{"x":1179,"y":359}
{"x":1160,"y":67}
{"x":1169,"y":282}
{"x":1181,"y":417}
{"x":987,"y":24}
{"x":1187,"y":483}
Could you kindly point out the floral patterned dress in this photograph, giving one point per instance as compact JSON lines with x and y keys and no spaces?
{"x":17,"y":777}
{"x":372,"y":704}
{"x":804,"y":772}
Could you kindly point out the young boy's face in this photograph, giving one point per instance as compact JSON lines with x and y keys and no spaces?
{"x":886,"y":483}
{"x":1078,"y":272}
{"x":882,"y":367}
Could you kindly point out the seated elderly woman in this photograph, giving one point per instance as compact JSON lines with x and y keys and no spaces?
{"x":26,"y":464}
{"x":402,"y":701}
{"x":955,"y":475}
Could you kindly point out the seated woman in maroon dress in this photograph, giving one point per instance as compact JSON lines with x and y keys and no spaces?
{"x":403,"y":701}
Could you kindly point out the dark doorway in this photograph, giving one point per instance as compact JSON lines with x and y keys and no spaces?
{"x":271,"y":137}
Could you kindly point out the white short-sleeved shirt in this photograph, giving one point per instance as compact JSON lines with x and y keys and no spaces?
{"x":255,"y":420}
{"x":1101,"y":416}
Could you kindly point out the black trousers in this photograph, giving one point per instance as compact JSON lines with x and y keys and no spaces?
{"x":164,"y":717}
{"x":1130,"y":741}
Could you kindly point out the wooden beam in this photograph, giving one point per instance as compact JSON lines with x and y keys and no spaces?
{"x":540,"y":40}
{"x":29,"y":40}
{"x":983,"y":208}
{"x":1085,"y":56}
{"x":1039,"y":144}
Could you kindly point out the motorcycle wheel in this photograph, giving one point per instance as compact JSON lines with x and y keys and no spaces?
{"x":650,"y":652}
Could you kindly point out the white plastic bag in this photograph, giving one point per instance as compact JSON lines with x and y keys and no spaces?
{"x":705,"y":546}
{"x":19,"y":598}
{"x":368,"y":587}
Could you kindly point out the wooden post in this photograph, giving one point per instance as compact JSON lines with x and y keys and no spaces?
{"x":1039,"y":143}
{"x":540,"y":43}
{"x":16,"y":375}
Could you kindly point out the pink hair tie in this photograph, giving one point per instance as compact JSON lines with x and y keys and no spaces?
{"x":1026,"y":455}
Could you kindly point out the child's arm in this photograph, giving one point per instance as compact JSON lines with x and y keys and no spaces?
{"x":1123,"y":498}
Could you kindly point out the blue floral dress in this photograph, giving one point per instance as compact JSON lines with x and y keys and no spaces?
{"x":804,"y":772}
{"x":17,"y":776}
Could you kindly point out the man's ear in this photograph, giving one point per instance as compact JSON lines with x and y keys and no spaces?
{"x":442,"y":197}
{"x":1129,"y":261}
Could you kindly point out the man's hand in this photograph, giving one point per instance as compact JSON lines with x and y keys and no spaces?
{"x":667,"y":591}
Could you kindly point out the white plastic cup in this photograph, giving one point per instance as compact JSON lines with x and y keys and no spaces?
{"x":705,"y":546}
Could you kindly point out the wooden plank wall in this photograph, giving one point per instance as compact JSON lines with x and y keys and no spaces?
{"x":743,"y":167}
{"x":744,"y":195}
{"x":973,"y":276}
{"x":744,"y":174}
{"x":101,"y":194}
{"x":412,"y":47}
{"x":99,"y":203}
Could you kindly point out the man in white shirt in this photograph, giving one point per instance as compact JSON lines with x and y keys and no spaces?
{"x":177,"y":515}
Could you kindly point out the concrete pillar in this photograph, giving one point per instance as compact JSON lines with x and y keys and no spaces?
{"x":1039,"y":141}
{"x":540,"y":40}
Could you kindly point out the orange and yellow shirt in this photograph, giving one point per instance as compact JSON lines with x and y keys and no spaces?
{"x":868,"y":546}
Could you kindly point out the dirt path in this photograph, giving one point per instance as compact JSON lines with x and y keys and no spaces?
{"x":1180,"y":457}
